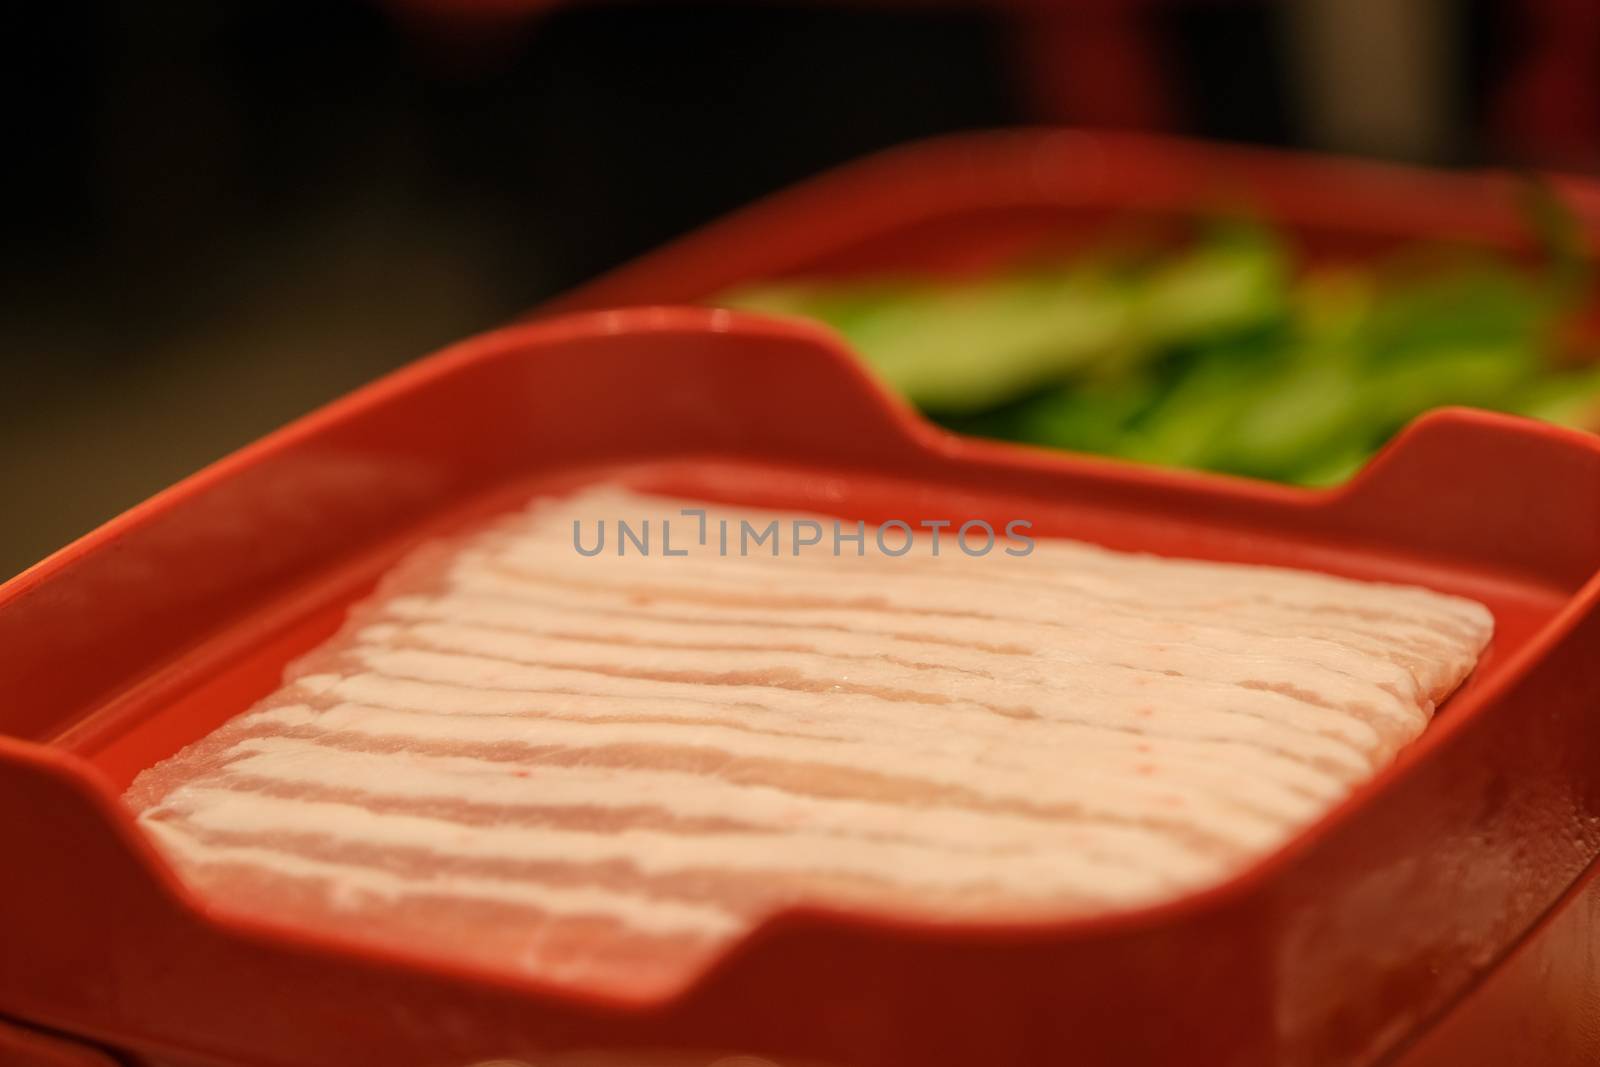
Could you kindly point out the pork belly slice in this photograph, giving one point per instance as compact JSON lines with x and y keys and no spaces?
{"x":600,"y":769}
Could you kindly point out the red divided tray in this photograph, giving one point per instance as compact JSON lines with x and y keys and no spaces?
{"x":1437,"y":916}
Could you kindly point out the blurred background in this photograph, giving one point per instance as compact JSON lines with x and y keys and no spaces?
{"x":223,"y":214}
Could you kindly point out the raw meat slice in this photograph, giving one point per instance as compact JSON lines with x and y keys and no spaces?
{"x":602,"y":767}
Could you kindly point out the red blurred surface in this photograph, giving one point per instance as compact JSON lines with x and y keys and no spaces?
{"x":20,"y":1047}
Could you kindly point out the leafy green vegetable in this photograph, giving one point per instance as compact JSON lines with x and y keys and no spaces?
{"x":966,"y":348}
{"x":1224,"y":354}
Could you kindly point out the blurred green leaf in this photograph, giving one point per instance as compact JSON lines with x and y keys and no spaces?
{"x":1222,"y":354}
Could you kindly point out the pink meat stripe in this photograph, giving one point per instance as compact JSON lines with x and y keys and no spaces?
{"x":601,"y":769}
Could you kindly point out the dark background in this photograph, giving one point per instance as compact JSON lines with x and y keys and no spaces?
{"x":222,"y":214}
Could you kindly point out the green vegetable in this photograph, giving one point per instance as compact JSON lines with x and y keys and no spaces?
{"x":1224,"y":354}
{"x":967,"y":348}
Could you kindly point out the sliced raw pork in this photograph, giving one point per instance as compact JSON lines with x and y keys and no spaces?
{"x":601,"y":768}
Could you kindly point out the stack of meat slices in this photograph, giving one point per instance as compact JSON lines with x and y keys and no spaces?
{"x":600,"y":768}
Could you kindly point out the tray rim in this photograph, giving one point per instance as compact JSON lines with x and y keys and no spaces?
{"x":945,"y":175}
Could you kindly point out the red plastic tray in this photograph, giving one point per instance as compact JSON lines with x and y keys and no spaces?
{"x":1449,"y":889}
{"x":175,"y":616}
